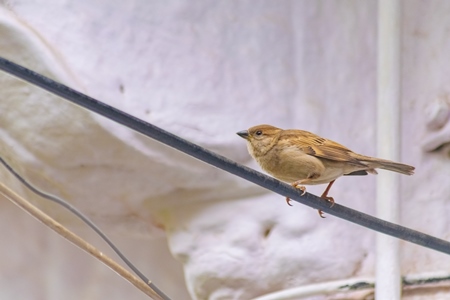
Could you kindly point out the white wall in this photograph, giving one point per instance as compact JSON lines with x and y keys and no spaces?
{"x":205,"y":70}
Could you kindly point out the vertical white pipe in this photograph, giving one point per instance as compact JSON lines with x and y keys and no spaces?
{"x":388,"y":276}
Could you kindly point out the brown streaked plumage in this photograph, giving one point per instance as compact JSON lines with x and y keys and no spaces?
{"x":301,"y":157}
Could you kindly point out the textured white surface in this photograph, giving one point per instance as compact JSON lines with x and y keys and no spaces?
{"x":426,"y":75}
{"x":205,"y":71}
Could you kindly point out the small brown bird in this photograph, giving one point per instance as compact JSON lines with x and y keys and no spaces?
{"x":301,"y":157}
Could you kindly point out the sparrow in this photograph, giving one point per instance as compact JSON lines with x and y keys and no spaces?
{"x":300,"y":157}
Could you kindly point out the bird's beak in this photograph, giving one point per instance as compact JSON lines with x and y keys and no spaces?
{"x":243,"y":134}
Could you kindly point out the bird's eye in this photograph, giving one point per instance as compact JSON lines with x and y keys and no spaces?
{"x":259,"y":132}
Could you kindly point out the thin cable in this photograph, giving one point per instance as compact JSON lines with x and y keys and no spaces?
{"x":88,"y":222}
{"x":221,"y":162}
{"x":351,"y":285}
{"x":71,"y":237}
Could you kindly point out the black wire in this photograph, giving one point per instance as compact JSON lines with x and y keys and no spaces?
{"x":87,"y":221}
{"x":222,"y":162}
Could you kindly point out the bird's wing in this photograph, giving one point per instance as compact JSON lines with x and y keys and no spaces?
{"x":315,"y":145}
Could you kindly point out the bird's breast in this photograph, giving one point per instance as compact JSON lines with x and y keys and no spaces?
{"x":290,"y":164}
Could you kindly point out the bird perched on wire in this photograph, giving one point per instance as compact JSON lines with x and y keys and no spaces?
{"x":301,"y":157}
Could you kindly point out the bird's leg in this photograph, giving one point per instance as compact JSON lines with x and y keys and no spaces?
{"x":297,"y":185}
{"x":325,"y":196}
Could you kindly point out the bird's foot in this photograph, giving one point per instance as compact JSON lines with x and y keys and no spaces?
{"x":329,"y":199}
{"x":300,"y":187}
{"x":297,"y":186}
{"x":325,"y":196}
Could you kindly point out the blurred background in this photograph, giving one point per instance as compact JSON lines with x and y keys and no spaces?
{"x":204,"y":71}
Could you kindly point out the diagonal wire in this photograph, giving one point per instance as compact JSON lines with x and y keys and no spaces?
{"x":221,"y":162}
{"x":71,"y":237}
{"x":87,"y":221}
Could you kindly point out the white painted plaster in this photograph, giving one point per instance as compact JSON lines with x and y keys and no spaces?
{"x":204,"y":71}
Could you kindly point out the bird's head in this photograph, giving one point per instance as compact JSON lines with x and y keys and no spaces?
{"x":260,"y":139}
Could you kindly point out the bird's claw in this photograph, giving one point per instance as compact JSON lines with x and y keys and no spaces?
{"x":321,"y":214}
{"x":330,"y":200}
{"x":297,"y":186}
{"x":303,"y":189}
{"x":288,"y":201}
{"x":300,"y":187}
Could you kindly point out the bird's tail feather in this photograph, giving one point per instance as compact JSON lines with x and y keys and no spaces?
{"x":389,"y":165}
